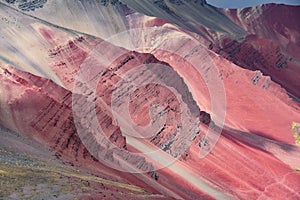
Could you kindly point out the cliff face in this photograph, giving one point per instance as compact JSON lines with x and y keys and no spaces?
{"x":40,"y":109}
{"x":193,"y":114}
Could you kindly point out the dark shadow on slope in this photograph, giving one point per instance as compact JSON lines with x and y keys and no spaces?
{"x":256,"y":140}
{"x":190,"y":15}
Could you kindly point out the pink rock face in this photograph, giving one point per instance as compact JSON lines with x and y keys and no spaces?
{"x":42,"y":110}
{"x":271,"y":46}
{"x":194,"y":117}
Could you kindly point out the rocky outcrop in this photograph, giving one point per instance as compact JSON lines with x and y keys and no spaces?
{"x":215,"y":125}
{"x":140,"y":101}
{"x":271,"y":45}
{"x":41,"y":110}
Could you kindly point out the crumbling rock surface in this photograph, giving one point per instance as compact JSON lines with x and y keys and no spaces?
{"x":103,"y":105}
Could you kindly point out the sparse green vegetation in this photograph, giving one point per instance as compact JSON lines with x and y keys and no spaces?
{"x":296,"y":132}
{"x":26,"y":178}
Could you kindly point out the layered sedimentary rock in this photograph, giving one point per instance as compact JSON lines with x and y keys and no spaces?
{"x":208,"y":108}
{"x":271,"y":46}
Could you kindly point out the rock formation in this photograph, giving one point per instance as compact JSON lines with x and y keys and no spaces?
{"x":177,"y":104}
